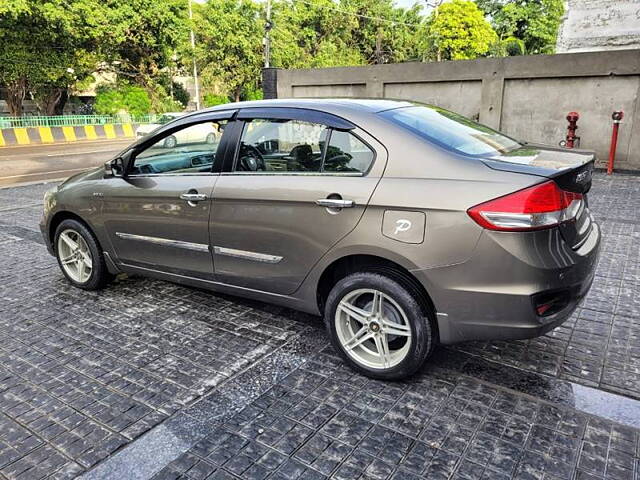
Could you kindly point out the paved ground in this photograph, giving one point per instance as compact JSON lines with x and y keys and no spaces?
{"x":227,"y":388}
{"x":31,"y":163}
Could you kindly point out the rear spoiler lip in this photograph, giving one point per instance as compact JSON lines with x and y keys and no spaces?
{"x":589,"y":156}
{"x":544,"y":146}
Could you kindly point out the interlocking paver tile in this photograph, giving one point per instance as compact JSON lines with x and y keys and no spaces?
{"x":83,"y":374}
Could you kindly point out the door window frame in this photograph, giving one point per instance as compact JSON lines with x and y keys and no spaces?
{"x":331,"y":122}
{"x":182,"y":123}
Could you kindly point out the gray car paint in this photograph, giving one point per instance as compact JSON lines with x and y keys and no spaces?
{"x":480,"y":282}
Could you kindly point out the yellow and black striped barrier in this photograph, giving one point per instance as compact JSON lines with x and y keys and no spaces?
{"x":44,"y":135}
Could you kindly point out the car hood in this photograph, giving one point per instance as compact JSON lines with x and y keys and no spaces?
{"x":93,"y":174}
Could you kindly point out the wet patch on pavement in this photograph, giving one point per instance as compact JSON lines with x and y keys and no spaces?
{"x":324,"y":421}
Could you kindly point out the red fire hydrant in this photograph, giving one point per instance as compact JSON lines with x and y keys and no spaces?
{"x":572,"y":140}
{"x":617,"y":119}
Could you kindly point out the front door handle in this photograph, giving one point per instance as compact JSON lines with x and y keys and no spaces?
{"x":335,"y":203}
{"x":192,"y":197}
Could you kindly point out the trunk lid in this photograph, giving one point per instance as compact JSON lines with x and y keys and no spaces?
{"x":571,"y":170}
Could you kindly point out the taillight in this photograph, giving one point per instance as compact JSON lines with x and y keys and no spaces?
{"x":541,"y":206}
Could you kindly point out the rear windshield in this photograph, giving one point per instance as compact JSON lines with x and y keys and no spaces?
{"x":452,"y":131}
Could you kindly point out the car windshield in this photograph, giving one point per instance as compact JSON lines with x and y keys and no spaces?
{"x":452,"y":131}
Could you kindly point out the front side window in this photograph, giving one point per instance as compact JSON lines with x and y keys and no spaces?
{"x":189,"y":150}
{"x":287,"y":146}
{"x":452,"y":131}
{"x":347,"y":153}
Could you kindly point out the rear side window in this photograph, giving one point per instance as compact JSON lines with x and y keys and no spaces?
{"x":275,"y":145}
{"x":347,"y":153}
{"x":452,"y":131}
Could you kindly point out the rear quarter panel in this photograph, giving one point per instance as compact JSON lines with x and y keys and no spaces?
{"x":420,"y":177}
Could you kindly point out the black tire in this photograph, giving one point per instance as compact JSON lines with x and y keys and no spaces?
{"x":423,"y":332}
{"x":100,"y":275}
{"x":211,"y":138}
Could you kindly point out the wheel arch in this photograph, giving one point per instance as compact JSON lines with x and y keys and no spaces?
{"x":348,"y":264}
{"x":60,"y":217}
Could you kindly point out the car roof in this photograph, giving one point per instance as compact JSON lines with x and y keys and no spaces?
{"x":329,"y":105}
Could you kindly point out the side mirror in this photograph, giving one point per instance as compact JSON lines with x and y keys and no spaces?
{"x":114,"y":168}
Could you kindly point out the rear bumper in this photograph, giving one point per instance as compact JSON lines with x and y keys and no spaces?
{"x":490,"y":297}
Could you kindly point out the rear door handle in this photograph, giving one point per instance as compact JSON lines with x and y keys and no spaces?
{"x":335,"y":203}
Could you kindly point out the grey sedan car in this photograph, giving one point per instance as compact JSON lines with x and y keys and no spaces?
{"x":403,"y":225}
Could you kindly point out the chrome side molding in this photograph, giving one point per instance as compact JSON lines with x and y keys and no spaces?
{"x":198,"y":247}
{"x":246,"y":255}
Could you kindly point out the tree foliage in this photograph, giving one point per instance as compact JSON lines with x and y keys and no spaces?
{"x":534,"y":22}
{"x":51,"y":47}
{"x":122,"y":99}
{"x":229,"y":46}
{"x":459,"y":31}
{"x":46,"y":46}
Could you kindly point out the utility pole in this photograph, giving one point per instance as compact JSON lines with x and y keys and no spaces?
{"x":435,"y":4}
{"x":267,"y":38}
{"x":195,"y":67}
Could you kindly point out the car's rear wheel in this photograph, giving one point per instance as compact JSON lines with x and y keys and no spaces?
{"x":80,"y":257}
{"x":211,"y":138}
{"x":170,"y":142}
{"x":378,"y":326}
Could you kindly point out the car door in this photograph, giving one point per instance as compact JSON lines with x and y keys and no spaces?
{"x":278,"y":207}
{"x":157,"y":215}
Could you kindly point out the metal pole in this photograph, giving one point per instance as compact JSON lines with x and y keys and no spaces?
{"x":436,"y":6}
{"x":617,"y":118}
{"x":195,"y":67}
{"x":267,"y":38}
{"x":439,"y":54}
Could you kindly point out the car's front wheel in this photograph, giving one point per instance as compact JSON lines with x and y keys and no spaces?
{"x":80,"y":257}
{"x":211,"y":138}
{"x":378,"y":326}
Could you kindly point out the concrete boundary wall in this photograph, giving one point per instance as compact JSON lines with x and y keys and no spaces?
{"x":44,"y":135}
{"x":527,"y":97}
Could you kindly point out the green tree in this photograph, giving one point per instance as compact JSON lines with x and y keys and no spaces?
{"x":385,"y":33}
{"x":535,"y":22}
{"x":124,"y":98}
{"x":308,"y":35}
{"x":229,"y":45}
{"x":47,"y":46}
{"x":211,"y":99}
{"x":139,"y":40}
{"x":459,"y":31}
{"x":143,"y":35}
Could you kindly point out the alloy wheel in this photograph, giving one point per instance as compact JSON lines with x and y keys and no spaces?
{"x":75,"y":256}
{"x":373,"y":329}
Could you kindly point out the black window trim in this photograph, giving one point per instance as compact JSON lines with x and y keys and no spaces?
{"x":293,"y":113}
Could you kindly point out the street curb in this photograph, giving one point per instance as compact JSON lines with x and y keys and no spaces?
{"x":10,"y":137}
